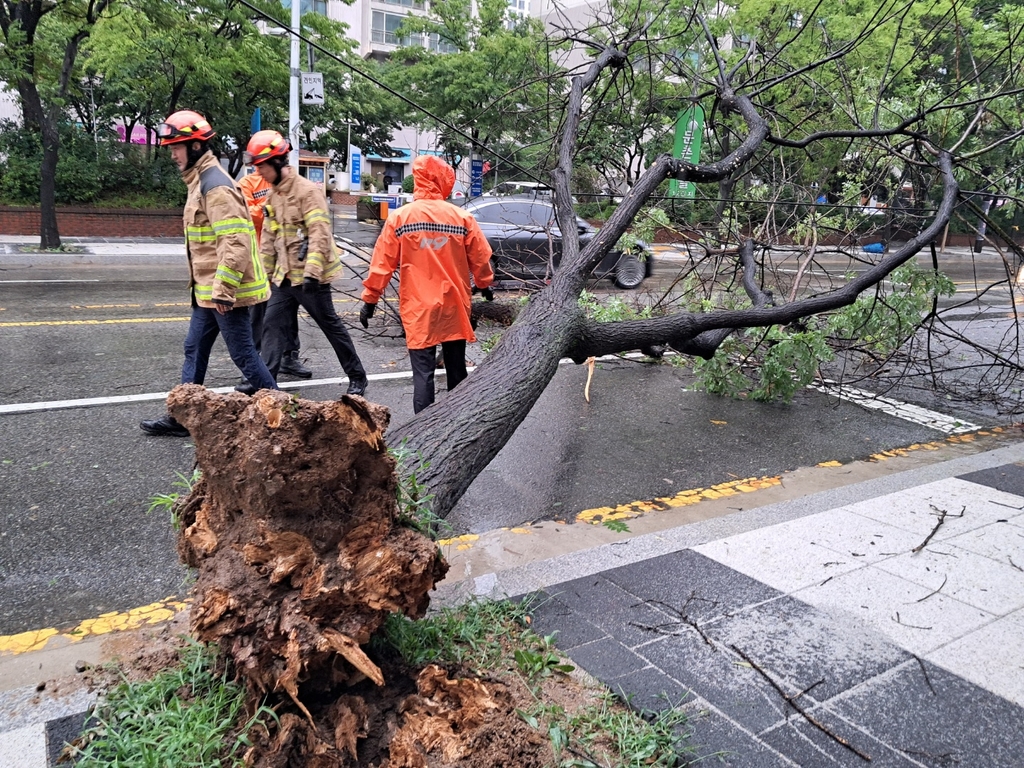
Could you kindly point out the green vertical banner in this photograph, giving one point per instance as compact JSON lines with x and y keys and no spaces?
{"x":689,"y":136}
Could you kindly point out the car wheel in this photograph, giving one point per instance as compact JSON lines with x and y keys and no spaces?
{"x":629,"y":272}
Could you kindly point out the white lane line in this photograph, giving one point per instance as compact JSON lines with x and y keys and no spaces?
{"x":86,"y":402}
{"x":49,"y":281}
{"x":922,"y":416}
{"x":926,"y":418}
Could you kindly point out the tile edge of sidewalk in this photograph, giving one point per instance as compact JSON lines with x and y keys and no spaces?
{"x":529,"y":577}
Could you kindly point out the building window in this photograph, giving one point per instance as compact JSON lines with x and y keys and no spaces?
{"x":417,"y":4}
{"x":384,"y":29}
{"x":316,"y":6}
{"x":437,"y":45}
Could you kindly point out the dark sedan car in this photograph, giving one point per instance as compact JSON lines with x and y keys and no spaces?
{"x":527,"y":243}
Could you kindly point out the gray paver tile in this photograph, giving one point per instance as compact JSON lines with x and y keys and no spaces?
{"x":719,"y":676}
{"x":1008,"y":478}
{"x":607,"y":659}
{"x":716,"y":741}
{"x":1003,"y":542}
{"x":991,"y":657}
{"x":550,"y":615}
{"x":995,"y":587}
{"x":940,"y":721}
{"x":805,"y":645}
{"x":914,"y":510}
{"x":650,"y":690}
{"x":890,"y":604}
{"x":806,"y":745}
{"x":612,"y":609}
{"x":780,"y":556}
{"x":24,"y":747}
{"x":691,"y":583}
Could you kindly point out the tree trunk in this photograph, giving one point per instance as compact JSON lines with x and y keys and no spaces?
{"x":49,"y":236}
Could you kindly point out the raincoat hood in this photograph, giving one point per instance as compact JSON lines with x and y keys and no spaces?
{"x":432,"y":177}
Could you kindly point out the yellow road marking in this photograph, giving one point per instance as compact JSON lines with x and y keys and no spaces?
{"x":102,"y":306}
{"x":599,"y":515}
{"x":37,"y":639}
{"x":120,"y":321}
{"x":465,"y":541}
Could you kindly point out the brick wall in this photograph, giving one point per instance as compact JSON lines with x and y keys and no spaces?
{"x":76,"y":221}
{"x":344,"y":198}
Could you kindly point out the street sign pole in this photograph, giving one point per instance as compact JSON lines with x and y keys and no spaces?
{"x":293,"y":90}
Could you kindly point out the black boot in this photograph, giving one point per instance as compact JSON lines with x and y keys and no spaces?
{"x":356,"y":386}
{"x":246,"y":388}
{"x":291,"y":365}
{"x":165,"y":425}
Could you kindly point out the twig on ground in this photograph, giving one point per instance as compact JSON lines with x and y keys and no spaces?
{"x":683,"y":618}
{"x":943,"y":514}
{"x":944,"y":580}
{"x":924,"y":672}
{"x":1008,"y":557}
{"x":1008,"y":506}
{"x":903,"y":624}
{"x":808,"y":689}
{"x":590,"y":375}
{"x":791,"y":700}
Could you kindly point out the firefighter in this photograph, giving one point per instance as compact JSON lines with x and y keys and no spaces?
{"x":255,"y":188}
{"x":436,"y":245}
{"x":226,"y":274}
{"x":299,"y":253}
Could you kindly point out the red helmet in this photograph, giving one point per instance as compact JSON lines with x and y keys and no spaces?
{"x":264,"y":145}
{"x":184,"y":125}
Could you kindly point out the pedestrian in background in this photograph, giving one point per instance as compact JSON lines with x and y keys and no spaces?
{"x":298,"y":250}
{"x":256,"y":188}
{"x":435,"y":246}
{"x":226,"y":276}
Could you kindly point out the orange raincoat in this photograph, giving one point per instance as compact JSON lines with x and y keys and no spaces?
{"x":255,"y":188}
{"x":435,"y":246}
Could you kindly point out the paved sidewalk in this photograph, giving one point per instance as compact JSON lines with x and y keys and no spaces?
{"x":891,"y":612}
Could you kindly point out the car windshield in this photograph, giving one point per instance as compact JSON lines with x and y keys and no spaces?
{"x":514,"y":213}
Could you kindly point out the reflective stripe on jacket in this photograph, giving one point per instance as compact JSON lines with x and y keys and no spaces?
{"x":223,"y":261}
{"x":297,"y":213}
{"x":435,"y":246}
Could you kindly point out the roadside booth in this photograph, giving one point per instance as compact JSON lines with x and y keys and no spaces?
{"x":314,"y":168}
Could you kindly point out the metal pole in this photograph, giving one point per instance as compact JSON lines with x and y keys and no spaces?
{"x":348,"y":155}
{"x":293,"y":91}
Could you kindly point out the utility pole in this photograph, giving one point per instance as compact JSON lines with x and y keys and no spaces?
{"x":293,"y":91}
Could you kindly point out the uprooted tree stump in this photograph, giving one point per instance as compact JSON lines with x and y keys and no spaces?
{"x":293,"y":532}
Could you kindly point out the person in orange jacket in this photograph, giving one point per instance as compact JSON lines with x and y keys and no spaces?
{"x":256,"y":188}
{"x":435,"y":245}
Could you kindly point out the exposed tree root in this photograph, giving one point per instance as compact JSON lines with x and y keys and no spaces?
{"x":293,"y":532}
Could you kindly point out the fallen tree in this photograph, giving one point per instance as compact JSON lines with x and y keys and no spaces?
{"x":457,"y":437}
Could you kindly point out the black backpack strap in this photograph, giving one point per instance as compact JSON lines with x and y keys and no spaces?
{"x":213,"y":177}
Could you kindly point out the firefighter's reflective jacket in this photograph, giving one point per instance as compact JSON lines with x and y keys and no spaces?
{"x":221,"y":242}
{"x":297,"y":241}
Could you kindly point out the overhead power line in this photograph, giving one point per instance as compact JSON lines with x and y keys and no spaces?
{"x":474,"y":143}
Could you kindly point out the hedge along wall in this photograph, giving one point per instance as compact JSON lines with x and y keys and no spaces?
{"x":75,"y":221}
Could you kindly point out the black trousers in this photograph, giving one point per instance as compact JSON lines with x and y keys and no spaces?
{"x":424,"y":361}
{"x":284,"y":302}
{"x":257,"y":316}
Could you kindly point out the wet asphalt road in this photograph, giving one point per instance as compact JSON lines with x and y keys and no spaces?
{"x":76,"y":539}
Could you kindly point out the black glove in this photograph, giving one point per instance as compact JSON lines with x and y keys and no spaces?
{"x":310,"y":285}
{"x":366,"y":313}
{"x":488,"y":294}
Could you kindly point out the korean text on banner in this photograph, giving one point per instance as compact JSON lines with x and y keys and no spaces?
{"x":689,"y":136}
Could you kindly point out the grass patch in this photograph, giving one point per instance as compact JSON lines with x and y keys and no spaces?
{"x":187,"y":716}
{"x":470,"y":634}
